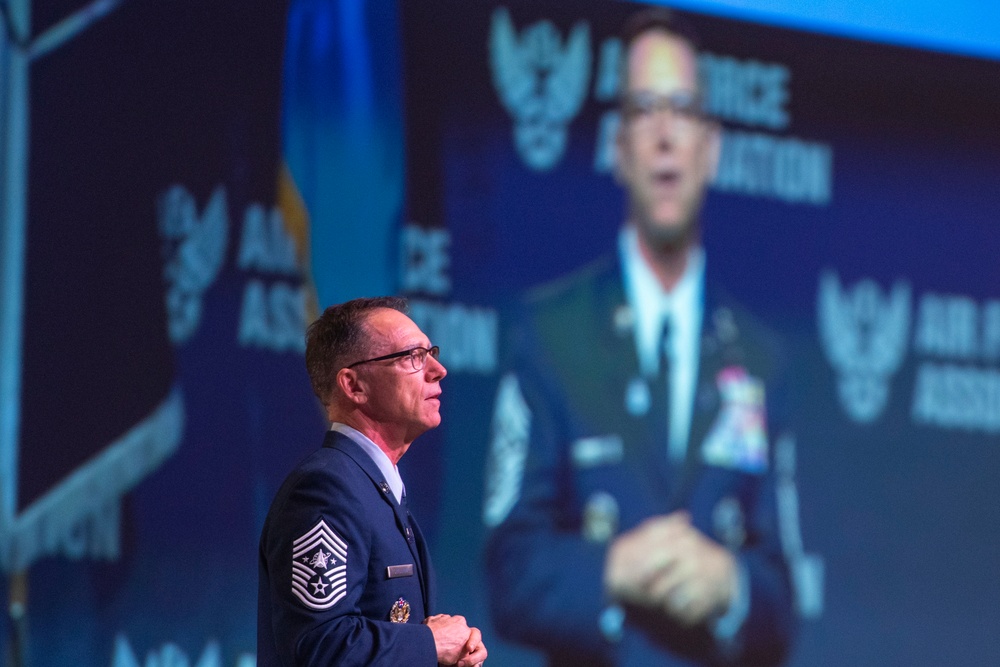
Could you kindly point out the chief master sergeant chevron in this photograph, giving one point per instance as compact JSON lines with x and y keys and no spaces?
{"x":345,"y":577}
{"x":630,"y":492}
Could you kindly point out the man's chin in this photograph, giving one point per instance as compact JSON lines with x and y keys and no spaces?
{"x":667,"y":236}
{"x":424,"y":425}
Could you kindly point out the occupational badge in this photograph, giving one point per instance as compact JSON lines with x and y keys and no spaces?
{"x":319,"y":567}
{"x":600,"y":517}
{"x":400,"y":612}
{"x":623,"y":319}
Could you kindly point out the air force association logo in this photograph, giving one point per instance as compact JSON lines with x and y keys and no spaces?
{"x":864,"y":335}
{"x":319,"y":567}
{"x":541,"y":83}
{"x":195,"y":249}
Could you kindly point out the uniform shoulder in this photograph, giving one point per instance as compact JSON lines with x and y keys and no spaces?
{"x":326,"y":492}
{"x":320,"y":461}
{"x":577,"y":284}
{"x":745,"y":338}
{"x":571,"y":310}
{"x":581,"y":299}
{"x":326,"y":472}
{"x":722,"y":306}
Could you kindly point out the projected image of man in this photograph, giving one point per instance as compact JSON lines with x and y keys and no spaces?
{"x":630,"y":497}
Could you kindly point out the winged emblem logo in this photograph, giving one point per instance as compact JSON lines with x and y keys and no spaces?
{"x":194,"y":249}
{"x":541,"y":82}
{"x":864,"y":333}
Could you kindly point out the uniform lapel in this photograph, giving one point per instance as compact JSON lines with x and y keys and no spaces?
{"x":720,"y":346}
{"x":405,"y":524}
{"x":424,"y":568}
{"x":647,"y":429}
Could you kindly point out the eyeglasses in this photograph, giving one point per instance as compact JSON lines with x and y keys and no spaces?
{"x":417,"y":355}
{"x":640,"y":108}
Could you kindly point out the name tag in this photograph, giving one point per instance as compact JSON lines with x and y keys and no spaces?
{"x":598,"y":450}
{"x":394,"y":571}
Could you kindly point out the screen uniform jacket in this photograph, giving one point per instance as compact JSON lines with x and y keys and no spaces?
{"x":579,"y":455}
{"x":339,"y":557}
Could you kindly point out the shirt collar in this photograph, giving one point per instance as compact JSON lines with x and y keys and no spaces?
{"x":385,"y":466}
{"x":650,"y":304}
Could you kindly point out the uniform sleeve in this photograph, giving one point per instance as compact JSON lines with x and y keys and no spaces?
{"x":770,"y":623}
{"x":315,"y":553}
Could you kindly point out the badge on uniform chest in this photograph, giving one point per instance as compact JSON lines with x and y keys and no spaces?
{"x":400,"y":612}
{"x":601,"y":517}
{"x":637,"y":397}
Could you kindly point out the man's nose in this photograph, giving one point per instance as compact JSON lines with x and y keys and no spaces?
{"x":434,"y":369}
{"x":664,"y":127}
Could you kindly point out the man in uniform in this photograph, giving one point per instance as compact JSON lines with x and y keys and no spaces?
{"x":630,"y":498}
{"x":345,"y":577}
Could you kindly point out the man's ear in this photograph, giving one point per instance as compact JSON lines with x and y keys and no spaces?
{"x":713,"y":149}
{"x":351,"y":386}
{"x":619,"y":166}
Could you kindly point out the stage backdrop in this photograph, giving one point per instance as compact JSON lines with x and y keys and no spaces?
{"x":153,"y":384}
{"x":855,"y":209}
{"x":184,"y":183}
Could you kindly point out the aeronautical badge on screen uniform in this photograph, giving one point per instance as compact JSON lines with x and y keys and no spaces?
{"x":319,"y":567}
{"x":738,"y":439}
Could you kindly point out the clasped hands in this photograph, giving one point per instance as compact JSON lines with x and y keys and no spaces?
{"x":667,"y":564}
{"x":456,"y":643}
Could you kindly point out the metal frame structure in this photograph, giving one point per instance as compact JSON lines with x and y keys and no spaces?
{"x":80,"y":516}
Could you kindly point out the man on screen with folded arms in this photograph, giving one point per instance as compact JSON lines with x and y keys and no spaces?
{"x":630,"y":497}
{"x":345,"y":577}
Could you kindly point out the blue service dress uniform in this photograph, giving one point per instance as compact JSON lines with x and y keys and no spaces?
{"x":583,"y":456}
{"x":340,"y":564}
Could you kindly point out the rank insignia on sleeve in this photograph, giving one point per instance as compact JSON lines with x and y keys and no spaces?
{"x":400,"y":612}
{"x":319,"y":567}
{"x":511,"y":431}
